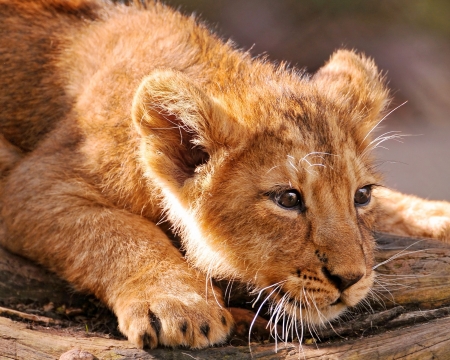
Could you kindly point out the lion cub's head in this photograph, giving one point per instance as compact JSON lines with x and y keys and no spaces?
{"x":267,"y":175}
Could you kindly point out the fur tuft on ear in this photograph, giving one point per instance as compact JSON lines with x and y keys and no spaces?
{"x":354,"y":82}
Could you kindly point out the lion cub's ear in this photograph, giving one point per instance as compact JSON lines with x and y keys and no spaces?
{"x":178,"y":123}
{"x":354,"y":82}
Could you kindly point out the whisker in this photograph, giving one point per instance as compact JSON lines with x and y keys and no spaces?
{"x":290,"y":321}
{"x":228,"y":289}
{"x":379,"y":122}
{"x":310,"y":308}
{"x":397,"y":256}
{"x":290,"y":163}
{"x":365,"y":305}
{"x":400,"y":253}
{"x":381,"y":295}
{"x":401,"y":276}
{"x":385,"y":284}
{"x":275,"y":318}
{"x":214,"y":293}
{"x":272,"y":168}
{"x":277,"y":287}
{"x":374,"y":144}
{"x":262,"y":290}
{"x":311,"y":327}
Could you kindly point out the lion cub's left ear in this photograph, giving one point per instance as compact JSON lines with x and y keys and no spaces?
{"x":179,"y":124}
{"x":354,"y":83}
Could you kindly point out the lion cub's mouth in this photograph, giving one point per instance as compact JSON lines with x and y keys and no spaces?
{"x":301,"y":303}
{"x":293,"y":301}
{"x":337,"y":302}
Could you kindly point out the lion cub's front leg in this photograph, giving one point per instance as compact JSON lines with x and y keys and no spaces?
{"x":124,"y":259}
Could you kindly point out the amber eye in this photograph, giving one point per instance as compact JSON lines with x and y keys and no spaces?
{"x":289,"y":199}
{"x":362,"y":195}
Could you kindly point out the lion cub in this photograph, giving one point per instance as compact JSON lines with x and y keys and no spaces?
{"x":117,"y":119}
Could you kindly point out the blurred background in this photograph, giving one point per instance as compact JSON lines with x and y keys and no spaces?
{"x":410,"y":42}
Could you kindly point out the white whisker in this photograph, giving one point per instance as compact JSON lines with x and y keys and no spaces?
{"x":228,"y":289}
{"x":393,"y":257}
{"x":379,"y":122}
{"x":214,"y":293}
{"x":262,"y":290}
{"x":272,"y":168}
{"x":277,"y":287}
{"x":400,"y":253}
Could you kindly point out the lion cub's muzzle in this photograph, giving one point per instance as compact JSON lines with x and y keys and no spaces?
{"x":323,"y":287}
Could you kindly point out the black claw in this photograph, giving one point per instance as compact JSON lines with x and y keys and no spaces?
{"x":205,"y":329}
{"x":147,"y":340}
{"x":184,"y":327}
{"x":224,"y":321}
{"x":155,"y":323}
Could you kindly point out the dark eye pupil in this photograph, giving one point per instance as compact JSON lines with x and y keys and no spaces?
{"x":289,"y":199}
{"x":362,"y":196}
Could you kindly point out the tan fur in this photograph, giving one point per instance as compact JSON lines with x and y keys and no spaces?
{"x":117,"y":119}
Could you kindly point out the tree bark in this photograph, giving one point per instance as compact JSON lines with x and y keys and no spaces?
{"x":408,"y":318}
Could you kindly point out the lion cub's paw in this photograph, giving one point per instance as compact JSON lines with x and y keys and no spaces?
{"x":188,"y":321}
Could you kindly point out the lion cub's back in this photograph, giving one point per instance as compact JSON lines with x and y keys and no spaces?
{"x":32,"y":97}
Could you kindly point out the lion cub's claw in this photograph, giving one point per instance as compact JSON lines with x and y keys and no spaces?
{"x":172,"y":323}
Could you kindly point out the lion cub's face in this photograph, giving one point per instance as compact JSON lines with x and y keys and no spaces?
{"x":294,"y":219}
{"x":276,"y":191}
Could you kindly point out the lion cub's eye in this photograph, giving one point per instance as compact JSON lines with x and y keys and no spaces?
{"x":362,"y":195}
{"x":289,"y":199}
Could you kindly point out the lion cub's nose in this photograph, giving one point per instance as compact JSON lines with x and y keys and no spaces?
{"x":342,"y":282}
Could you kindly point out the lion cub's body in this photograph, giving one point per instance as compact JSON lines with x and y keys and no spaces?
{"x":116,"y":119}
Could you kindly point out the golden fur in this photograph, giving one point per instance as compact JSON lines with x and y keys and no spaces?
{"x":119,"y":120}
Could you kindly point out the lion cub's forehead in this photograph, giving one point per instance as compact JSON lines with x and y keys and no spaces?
{"x":299,"y":154}
{"x":294,"y":113}
{"x":297,"y":136}
{"x":304,"y":126}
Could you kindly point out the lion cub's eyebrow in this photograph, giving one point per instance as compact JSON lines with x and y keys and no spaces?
{"x":276,"y":189}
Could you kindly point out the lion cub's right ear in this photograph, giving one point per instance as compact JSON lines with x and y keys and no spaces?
{"x":180,"y":126}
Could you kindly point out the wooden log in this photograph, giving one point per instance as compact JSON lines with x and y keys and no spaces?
{"x":409,"y":321}
{"x":425,"y":341}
